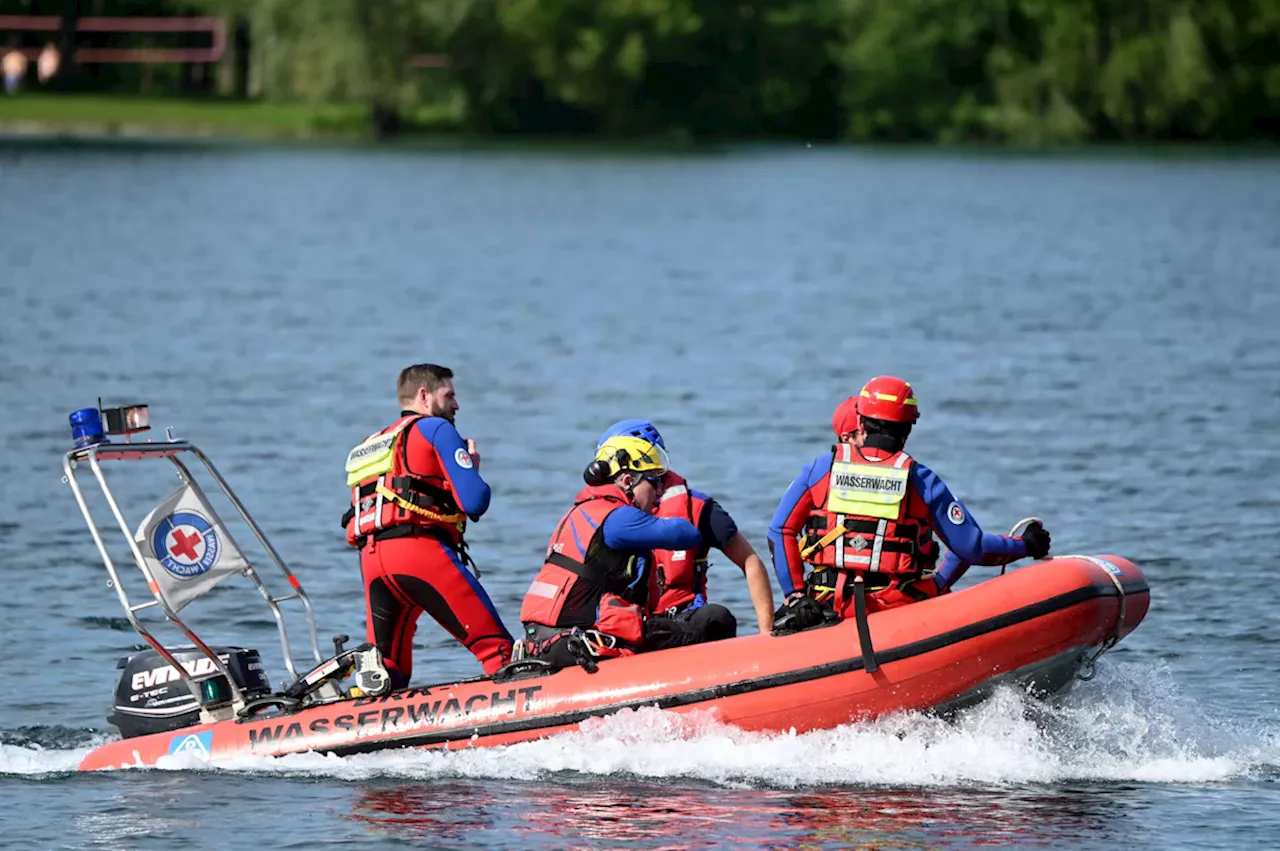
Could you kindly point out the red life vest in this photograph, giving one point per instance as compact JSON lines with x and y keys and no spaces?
{"x":679,"y":575}
{"x":580,"y":570}
{"x":898,"y":542}
{"x":392,"y":496}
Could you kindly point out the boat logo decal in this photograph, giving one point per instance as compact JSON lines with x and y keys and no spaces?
{"x":955,"y":513}
{"x":399,"y":713}
{"x":200,"y":744}
{"x":185,"y":544}
{"x":1109,"y":567}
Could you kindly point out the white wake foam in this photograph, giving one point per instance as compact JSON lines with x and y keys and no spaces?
{"x":1128,"y":724}
{"x":36,"y":760}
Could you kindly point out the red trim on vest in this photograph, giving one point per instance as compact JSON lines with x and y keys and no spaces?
{"x":675,"y":582}
{"x":553,"y":581}
{"x":381,"y":514}
{"x":858,"y":545}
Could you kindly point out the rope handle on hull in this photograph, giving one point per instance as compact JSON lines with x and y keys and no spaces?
{"x":1016,"y":532}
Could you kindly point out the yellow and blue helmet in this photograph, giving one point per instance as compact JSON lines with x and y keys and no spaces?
{"x":625,"y":453}
{"x":633,"y":428}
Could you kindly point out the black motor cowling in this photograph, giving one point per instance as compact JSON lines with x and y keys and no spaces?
{"x":152,"y":698}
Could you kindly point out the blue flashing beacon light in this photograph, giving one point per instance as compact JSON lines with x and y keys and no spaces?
{"x":86,"y":427}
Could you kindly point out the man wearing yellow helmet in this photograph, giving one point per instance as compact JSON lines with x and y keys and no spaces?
{"x":594,"y":583}
{"x":679,"y":584}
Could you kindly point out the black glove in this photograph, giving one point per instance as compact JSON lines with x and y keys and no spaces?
{"x":1037,"y":539}
{"x":797,"y":614}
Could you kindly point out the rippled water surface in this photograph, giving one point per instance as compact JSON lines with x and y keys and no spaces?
{"x":1092,"y":339}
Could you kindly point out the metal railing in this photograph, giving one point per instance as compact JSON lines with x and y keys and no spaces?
{"x":216,"y":27}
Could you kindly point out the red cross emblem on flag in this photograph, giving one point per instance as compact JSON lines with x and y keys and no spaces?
{"x":186,"y":545}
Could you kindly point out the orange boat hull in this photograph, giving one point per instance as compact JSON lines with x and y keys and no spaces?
{"x":1037,"y":625}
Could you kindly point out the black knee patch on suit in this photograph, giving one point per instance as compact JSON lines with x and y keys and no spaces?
{"x":387,"y":612}
{"x":714,"y":622}
{"x":662,"y":632}
{"x":429,"y":600}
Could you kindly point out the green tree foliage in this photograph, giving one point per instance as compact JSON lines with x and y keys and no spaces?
{"x":1138,"y":69}
{"x":327,"y":51}
{"x":692,"y":67}
{"x":1027,"y":71}
{"x":913,"y":68}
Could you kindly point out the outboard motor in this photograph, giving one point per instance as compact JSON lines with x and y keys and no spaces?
{"x":151,"y":697}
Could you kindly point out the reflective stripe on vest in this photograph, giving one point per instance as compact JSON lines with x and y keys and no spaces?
{"x":373,"y":458}
{"x":376,"y":454}
{"x":602,"y":567}
{"x":679,"y":575}
{"x":867,"y":489}
{"x":384,"y":496}
{"x":859,"y":494}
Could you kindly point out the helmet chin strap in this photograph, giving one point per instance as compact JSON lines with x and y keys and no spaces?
{"x":630,"y":490}
{"x":622,"y":458}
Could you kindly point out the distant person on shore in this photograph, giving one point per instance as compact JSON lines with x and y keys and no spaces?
{"x":14,"y":65}
{"x":47,"y":64}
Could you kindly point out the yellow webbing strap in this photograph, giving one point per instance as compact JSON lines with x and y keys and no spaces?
{"x":829,"y":537}
{"x":389,"y":494}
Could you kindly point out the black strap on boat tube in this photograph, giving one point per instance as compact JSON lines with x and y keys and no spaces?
{"x":864,"y":629}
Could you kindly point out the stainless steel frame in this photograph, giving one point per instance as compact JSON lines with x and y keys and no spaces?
{"x":172,"y":449}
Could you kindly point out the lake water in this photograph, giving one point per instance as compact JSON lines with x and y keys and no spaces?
{"x":1092,"y":338}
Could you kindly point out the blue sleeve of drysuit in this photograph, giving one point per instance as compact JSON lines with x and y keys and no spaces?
{"x":958,"y":530}
{"x":471,"y":491}
{"x":952,"y":568}
{"x":788,"y":523}
{"x":629,"y":528}
{"x":950,"y":571}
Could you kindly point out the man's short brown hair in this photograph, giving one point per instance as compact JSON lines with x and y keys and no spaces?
{"x":420,"y":375}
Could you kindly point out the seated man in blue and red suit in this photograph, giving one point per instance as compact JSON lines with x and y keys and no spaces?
{"x":592,"y":591}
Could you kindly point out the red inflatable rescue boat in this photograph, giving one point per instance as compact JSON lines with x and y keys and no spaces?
{"x":1037,"y":626}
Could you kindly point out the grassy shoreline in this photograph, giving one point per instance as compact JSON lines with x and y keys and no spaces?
{"x":37,"y":115}
{"x":94,"y":114}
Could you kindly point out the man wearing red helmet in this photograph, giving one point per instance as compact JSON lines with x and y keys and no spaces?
{"x":868,"y":509}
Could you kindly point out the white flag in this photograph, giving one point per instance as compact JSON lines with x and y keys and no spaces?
{"x":186,"y":547}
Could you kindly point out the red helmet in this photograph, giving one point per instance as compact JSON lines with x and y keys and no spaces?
{"x":845,"y":419}
{"x":887,"y":398}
